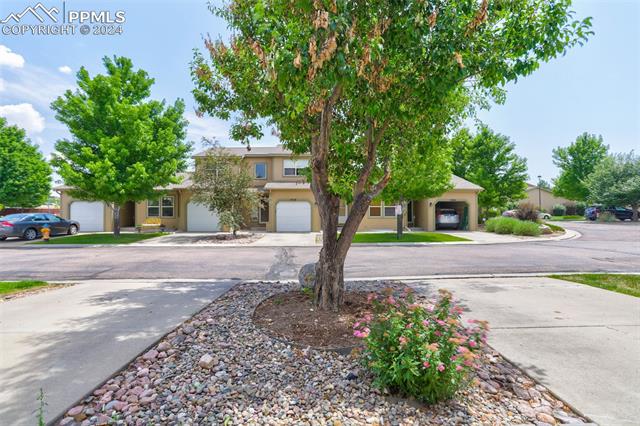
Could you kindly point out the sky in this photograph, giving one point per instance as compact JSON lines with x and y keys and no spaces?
{"x":594,"y":88}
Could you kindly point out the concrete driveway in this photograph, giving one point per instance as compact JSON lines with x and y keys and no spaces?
{"x":581,"y":342}
{"x":68,"y":341}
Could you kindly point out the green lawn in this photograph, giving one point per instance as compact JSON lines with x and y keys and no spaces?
{"x":625,"y":284}
{"x":18,"y":286}
{"x":407,"y":237}
{"x":102,"y":238}
{"x":570,"y":217}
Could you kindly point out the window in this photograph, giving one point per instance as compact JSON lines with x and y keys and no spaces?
{"x":389,"y":210}
{"x":167,"y":206}
{"x":52,"y":218}
{"x":261,"y":170}
{"x":39,"y":218}
{"x":295,"y":167}
{"x":153,"y":208}
{"x":375,"y":209}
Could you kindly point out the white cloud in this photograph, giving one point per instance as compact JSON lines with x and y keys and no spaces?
{"x":206,"y":127}
{"x":35,"y":85}
{"x":9,"y":58}
{"x":65,"y":69}
{"x":2,"y":87}
{"x":23,"y":115}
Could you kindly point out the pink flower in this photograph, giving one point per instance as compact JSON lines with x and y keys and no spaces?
{"x":371,"y":296}
{"x":458,"y":367}
{"x":403,"y":340}
{"x":357,"y":324}
{"x":391,"y":300}
{"x":361,"y":333}
{"x":437,"y":333}
{"x":472,"y":343}
{"x":410,"y":325}
{"x":440,"y":322}
{"x":425,"y":323}
{"x":441,"y":367}
{"x":462,"y":350}
{"x":430,"y":307}
{"x":426,"y":364}
{"x":368,"y":318}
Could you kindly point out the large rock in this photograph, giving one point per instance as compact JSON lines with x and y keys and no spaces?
{"x":307,"y":275}
{"x":545,"y":230}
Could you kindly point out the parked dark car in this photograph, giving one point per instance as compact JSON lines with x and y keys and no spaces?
{"x":620,"y":213}
{"x":28,"y":225}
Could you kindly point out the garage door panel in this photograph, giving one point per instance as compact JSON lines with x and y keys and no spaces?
{"x":89,"y":214}
{"x":200,"y":219}
{"x":293,"y":216}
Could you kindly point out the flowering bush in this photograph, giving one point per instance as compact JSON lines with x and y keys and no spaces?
{"x":420,"y":351}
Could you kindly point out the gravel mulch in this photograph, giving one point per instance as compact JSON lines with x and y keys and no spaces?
{"x":219,"y":368}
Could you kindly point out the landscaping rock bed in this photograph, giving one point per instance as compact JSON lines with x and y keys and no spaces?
{"x":220,"y":368}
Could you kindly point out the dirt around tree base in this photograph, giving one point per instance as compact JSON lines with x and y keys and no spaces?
{"x":292,"y":316}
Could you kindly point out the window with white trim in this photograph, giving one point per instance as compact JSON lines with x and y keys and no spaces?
{"x":168,"y":204}
{"x":295,"y":167}
{"x":260,"y":170}
{"x":153,"y":208}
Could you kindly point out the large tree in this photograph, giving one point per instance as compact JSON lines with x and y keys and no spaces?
{"x":616,"y":182}
{"x":358,"y":84}
{"x":222,"y":183}
{"x":576,"y":162}
{"x":488,"y":159}
{"x":25,"y":176}
{"x":124,"y":146}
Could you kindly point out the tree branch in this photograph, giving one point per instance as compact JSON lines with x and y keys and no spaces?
{"x":373,"y":140}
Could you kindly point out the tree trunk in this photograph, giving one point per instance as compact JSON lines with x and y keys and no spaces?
{"x":329,"y":285}
{"x":116,"y":220}
{"x":634,"y":212}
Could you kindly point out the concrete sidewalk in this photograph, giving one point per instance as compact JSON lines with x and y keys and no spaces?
{"x":68,"y":341}
{"x":581,"y":342}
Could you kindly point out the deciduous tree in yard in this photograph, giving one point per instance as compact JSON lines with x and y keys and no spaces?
{"x":124,"y":146}
{"x":616,"y":182}
{"x":488,"y":159}
{"x":222,"y":182}
{"x":25,"y":176}
{"x":576,"y":162}
{"x":343,"y":80}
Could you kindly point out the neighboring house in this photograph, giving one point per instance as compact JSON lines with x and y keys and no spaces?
{"x":287,"y":204}
{"x":543,"y":198}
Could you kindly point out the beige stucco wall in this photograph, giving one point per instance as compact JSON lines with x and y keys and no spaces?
{"x":425,"y":210}
{"x":179,"y":219}
{"x":548,"y":199}
{"x":65,"y":210}
{"x":380,"y":223}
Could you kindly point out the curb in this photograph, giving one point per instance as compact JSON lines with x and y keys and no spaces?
{"x":568,"y":235}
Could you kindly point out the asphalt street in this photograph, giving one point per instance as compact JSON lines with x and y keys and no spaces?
{"x":602,"y":247}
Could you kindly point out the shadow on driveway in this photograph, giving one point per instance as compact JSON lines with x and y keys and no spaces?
{"x":68,"y":341}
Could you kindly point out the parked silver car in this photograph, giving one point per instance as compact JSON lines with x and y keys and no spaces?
{"x":28,"y":225}
{"x":447,"y":218}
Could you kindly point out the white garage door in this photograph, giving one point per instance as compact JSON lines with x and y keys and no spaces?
{"x":293,"y":216}
{"x":89,"y":214}
{"x":200,"y":219}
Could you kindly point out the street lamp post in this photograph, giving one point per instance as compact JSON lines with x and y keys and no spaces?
{"x":539,"y":194}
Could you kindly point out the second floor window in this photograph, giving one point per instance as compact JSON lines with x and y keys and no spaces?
{"x":295,"y":167}
{"x":261,"y":170}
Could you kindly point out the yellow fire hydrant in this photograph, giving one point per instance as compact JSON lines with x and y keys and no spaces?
{"x":45,"y":231}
